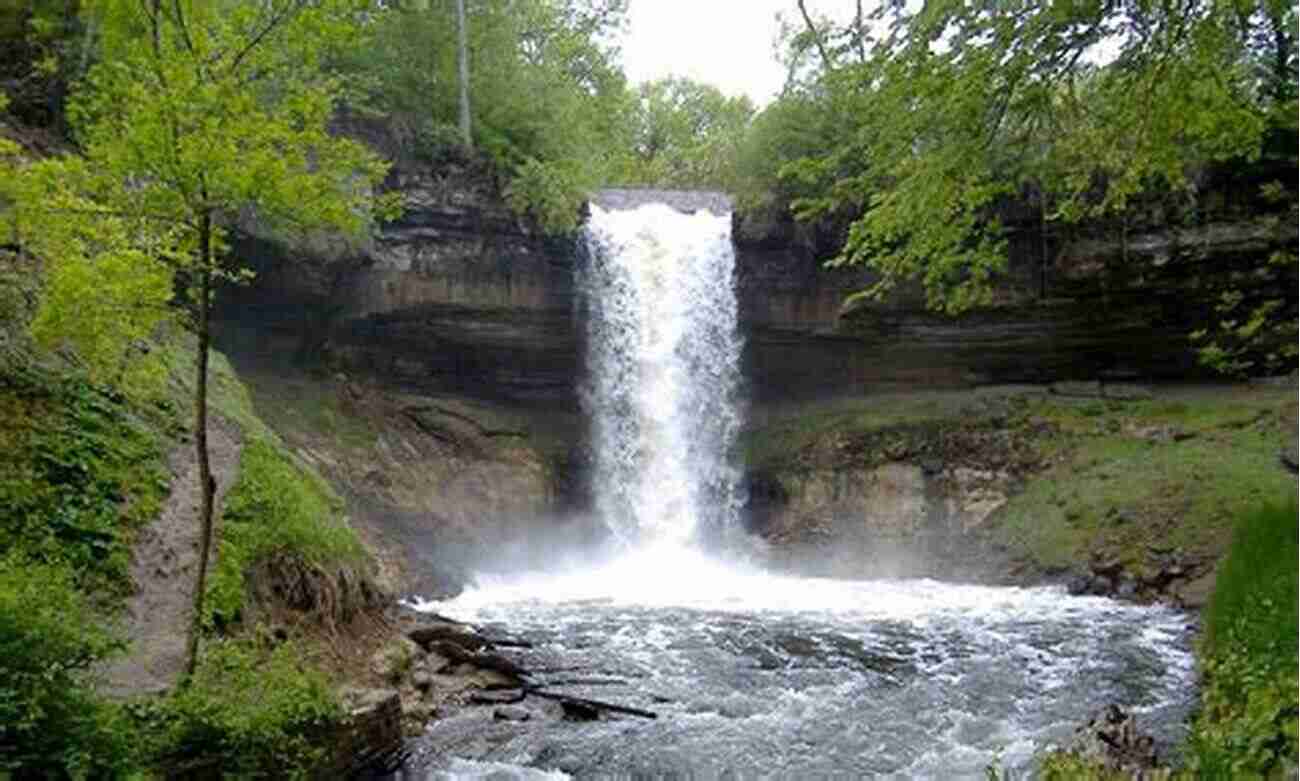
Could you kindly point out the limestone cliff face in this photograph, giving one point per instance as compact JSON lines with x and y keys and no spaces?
{"x":461,"y":295}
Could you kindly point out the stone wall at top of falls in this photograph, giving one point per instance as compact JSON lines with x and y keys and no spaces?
{"x":461,"y":295}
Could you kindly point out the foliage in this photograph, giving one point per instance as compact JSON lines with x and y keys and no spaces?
{"x":248,"y":712}
{"x":81,"y":472}
{"x":1247,"y":725}
{"x":925,"y":137}
{"x":686,"y":134}
{"x":44,"y":47}
{"x":549,"y":101}
{"x":1254,"y":330}
{"x":276,"y":505}
{"x":51,"y":723}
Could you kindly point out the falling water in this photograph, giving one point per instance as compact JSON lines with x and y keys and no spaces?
{"x":664,"y":368}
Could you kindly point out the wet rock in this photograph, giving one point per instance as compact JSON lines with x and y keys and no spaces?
{"x":1106,"y":566}
{"x":1127,"y":588}
{"x":579,"y":711}
{"x":1112,"y":739}
{"x":1078,"y":584}
{"x":1101,"y":586}
{"x":497,"y":697}
{"x":512,"y":713}
{"x":371,"y":729}
{"x":457,"y":635}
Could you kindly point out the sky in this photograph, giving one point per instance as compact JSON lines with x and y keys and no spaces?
{"x":726,"y":43}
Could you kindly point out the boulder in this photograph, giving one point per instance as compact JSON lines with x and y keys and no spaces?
{"x":512,"y":713}
{"x":1112,"y":739}
{"x":370,"y":735}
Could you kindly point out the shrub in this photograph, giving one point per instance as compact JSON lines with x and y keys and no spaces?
{"x":247,"y":712}
{"x":51,"y":722}
{"x":275,"y":506}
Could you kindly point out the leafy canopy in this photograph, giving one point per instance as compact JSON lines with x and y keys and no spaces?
{"x":1079,"y":107}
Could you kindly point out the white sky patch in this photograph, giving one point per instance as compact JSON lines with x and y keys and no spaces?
{"x":726,"y":43}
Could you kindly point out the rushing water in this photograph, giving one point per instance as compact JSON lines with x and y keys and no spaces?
{"x":664,"y":369}
{"x":751,"y":673}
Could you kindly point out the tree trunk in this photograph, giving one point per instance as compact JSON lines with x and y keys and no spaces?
{"x":207,"y":486}
{"x":462,"y":63}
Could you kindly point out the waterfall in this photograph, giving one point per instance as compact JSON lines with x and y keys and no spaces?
{"x":663,"y":372}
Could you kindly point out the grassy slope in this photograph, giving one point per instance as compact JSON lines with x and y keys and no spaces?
{"x":1097,"y":478}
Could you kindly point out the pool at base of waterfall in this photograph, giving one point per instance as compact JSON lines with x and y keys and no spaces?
{"x":759,"y":675}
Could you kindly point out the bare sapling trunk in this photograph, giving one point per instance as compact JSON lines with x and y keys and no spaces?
{"x":207,"y":485}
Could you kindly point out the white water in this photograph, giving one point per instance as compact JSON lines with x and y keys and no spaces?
{"x":756,"y":674}
{"x":664,"y":371}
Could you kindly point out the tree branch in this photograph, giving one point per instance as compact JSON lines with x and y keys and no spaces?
{"x":827,"y":61}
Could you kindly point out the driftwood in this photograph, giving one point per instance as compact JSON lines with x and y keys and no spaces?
{"x":578,"y":703}
{"x":482,"y":660}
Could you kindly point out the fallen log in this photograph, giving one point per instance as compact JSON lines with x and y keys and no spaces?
{"x":583,"y":702}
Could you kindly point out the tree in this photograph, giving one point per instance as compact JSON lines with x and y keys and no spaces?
{"x":203,"y":113}
{"x":1082,"y":107}
{"x":462,"y":72}
{"x":686,"y":134}
{"x":549,"y":101}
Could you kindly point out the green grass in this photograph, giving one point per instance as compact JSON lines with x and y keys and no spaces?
{"x":797,"y":427}
{"x":277,"y":505}
{"x":1247,"y":725}
{"x":1123,"y":477}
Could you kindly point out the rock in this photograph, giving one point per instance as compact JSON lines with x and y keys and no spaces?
{"x":1111,"y":738}
{"x":1127,"y":588}
{"x":435,"y":663}
{"x":1126,"y":392}
{"x":422,"y":680}
{"x":497,"y":697}
{"x":512,"y":713}
{"x":1078,"y":585}
{"x":578,"y":711}
{"x":370,"y":732}
{"x":1088,"y":389}
{"x":457,"y":635}
{"x":1105,"y":565}
{"x":1101,"y":586}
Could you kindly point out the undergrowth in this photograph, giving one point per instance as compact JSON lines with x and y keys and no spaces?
{"x":82,"y":470}
{"x":275,"y":506}
{"x":1247,"y":725}
{"x":248,"y":712}
{"x":52,"y":724}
